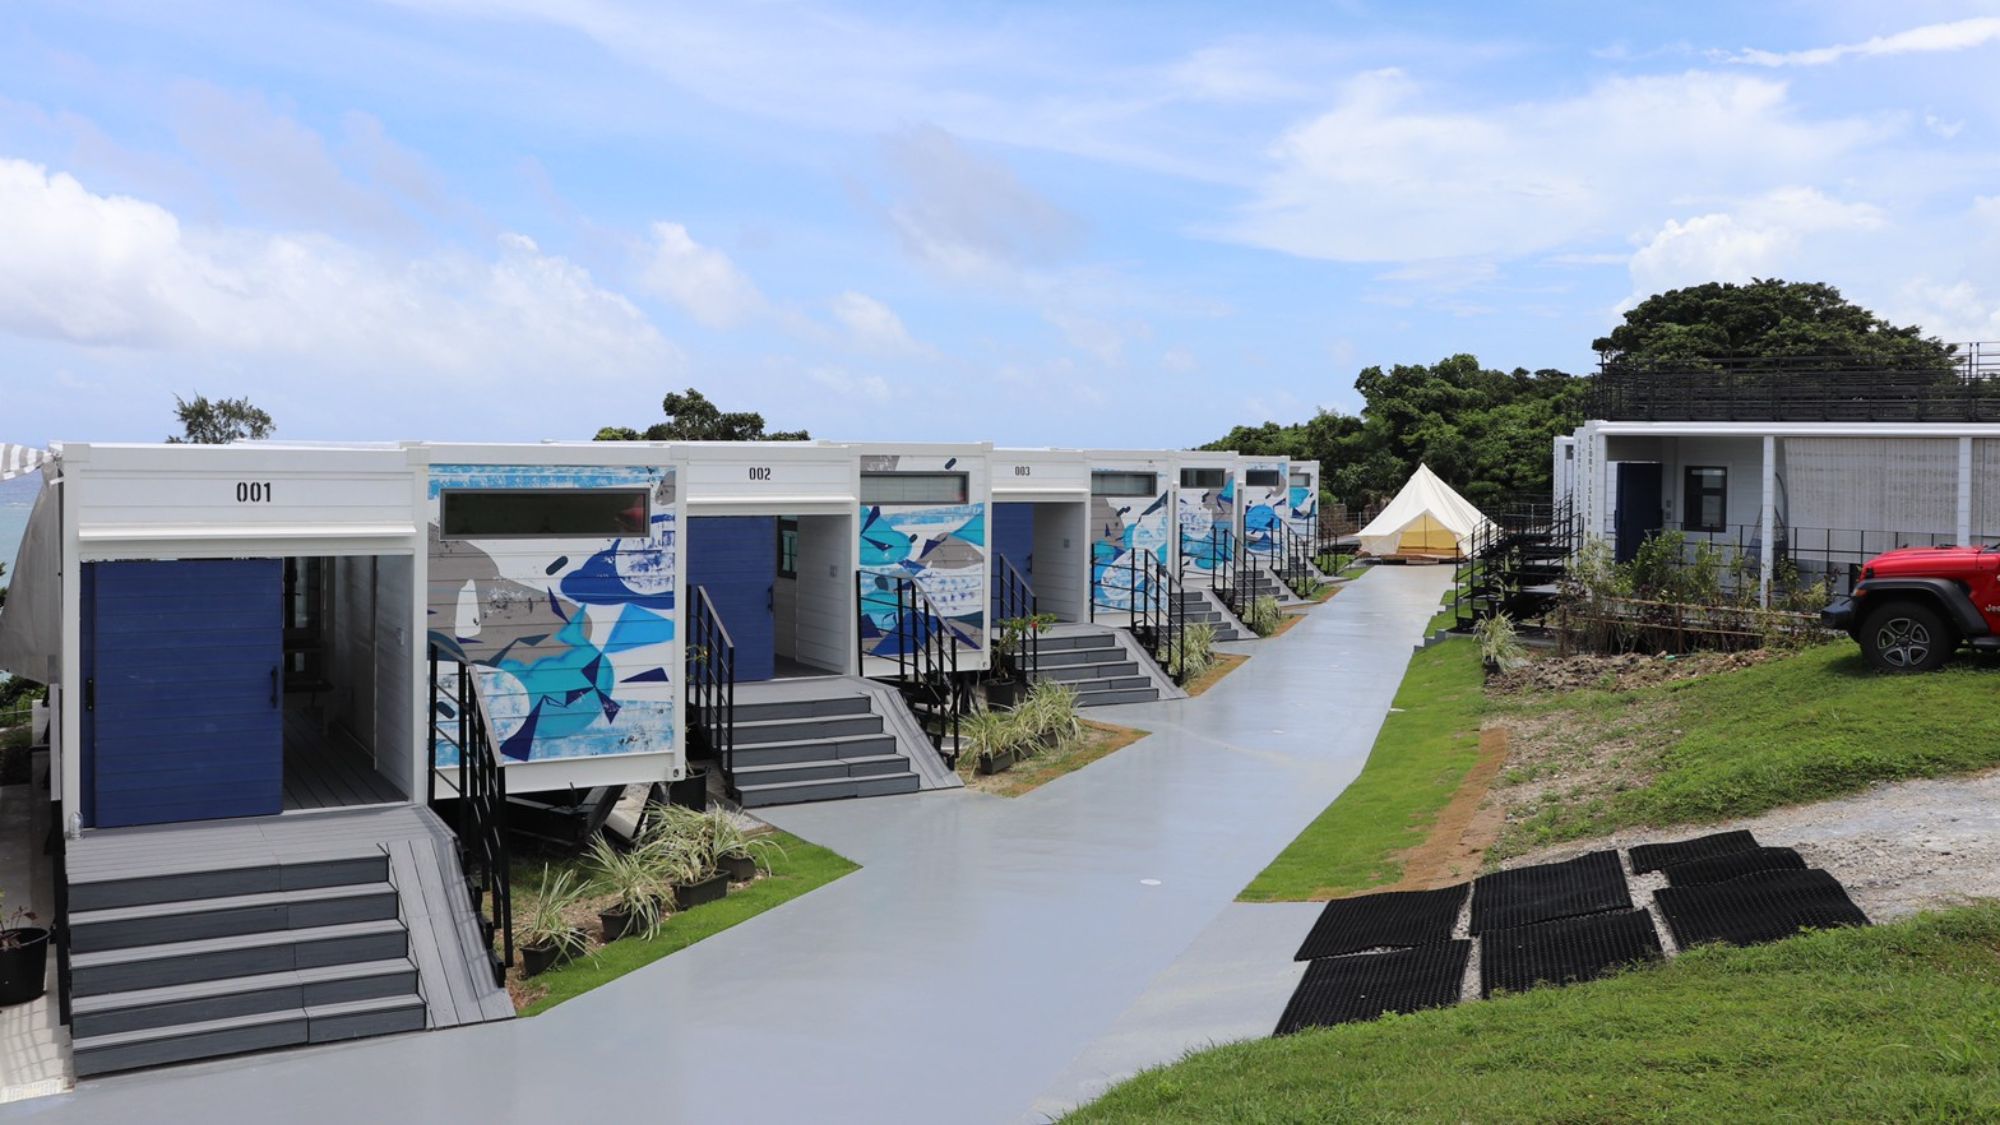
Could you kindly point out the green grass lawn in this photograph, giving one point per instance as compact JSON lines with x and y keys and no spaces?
{"x":1419,"y":759}
{"x":1894,"y":1022}
{"x":1802,"y":727}
{"x":801,"y":868}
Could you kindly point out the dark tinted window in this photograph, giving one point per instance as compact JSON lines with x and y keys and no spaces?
{"x":1706,"y":501}
{"x":1109,"y":483}
{"x":1302,"y":480}
{"x":1203,"y":478}
{"x":913,"y":488}
{"x":1263,"y":478}
{"x":555,"y":513}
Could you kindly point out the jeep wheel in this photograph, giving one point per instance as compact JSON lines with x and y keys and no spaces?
{"x":1906,"y":637}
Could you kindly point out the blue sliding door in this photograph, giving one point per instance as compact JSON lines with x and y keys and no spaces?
{"x":184,"y":707}
{"x":1013,"y":540}
{"x":735,"y":558}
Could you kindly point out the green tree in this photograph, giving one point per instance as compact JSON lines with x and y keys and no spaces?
{"x":691,"y":417}
{"x":219,"y":422}
{"x":1765,"y":319}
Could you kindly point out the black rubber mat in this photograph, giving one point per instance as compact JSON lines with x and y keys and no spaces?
{"x":1588,"y":884}
{"x":1724,"y":867}
{"x":1350,"y":989}
{"x":1760,"y":907}
{"x":1395,"y":918}
{"x":1572,"y":949}
{"x":1652,"y":857}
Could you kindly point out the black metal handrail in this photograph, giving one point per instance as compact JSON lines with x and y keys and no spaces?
{"x":59,"y":922}
{"x":1167,"y":620}
{"x":1227,"y":580}
{"x":1961,"y":387}
{"x":926,"y":657}
{"x":461,"y":722}
{"x":711,"y":680}
{"x":1014,"y":600}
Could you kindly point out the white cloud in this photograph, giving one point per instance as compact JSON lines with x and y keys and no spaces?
{"x":1764,"y":237}
{"x":1957,"y":35}
{"x":1382,"y":177}
{"x":700,"y":279}
{"x":874,"y":325}
{"x":1942,"y":128}
{"x":99,"y":270}
{"x":841,"y":381}
{"x":969,"y":215}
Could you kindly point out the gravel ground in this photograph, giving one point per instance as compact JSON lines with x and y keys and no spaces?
{"x":1898,"y":848}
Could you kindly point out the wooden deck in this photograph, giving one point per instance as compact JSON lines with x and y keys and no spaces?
{"x":327,"y":769}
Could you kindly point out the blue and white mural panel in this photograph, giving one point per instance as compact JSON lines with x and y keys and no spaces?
{"x":573,"y":633}
{"x":1304,"y":513}
{"x":1266,"y":507}
{"x":1123,"y":528}
{"x":941,"y":548}
{"x":1207,"y":520}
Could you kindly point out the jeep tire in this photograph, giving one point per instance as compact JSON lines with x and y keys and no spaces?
{"x":1906,"y":636}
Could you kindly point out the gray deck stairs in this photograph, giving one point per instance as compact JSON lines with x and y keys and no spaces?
{"x":1097,"y":666}
{"x":194,"y":941}
{"x":829,"y":738}
{"x":1262,"y":583}
{"x":1202,"y":607}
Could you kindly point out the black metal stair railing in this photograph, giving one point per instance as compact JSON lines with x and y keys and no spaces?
{"x":459,"y":720}
{"x":1014,"y":601}
{"x":711,"y":685}
{"x":926,"y":657}
{"x":1166,"y":619}
{"x":1224,"y":578}
{"x":58,"y":848}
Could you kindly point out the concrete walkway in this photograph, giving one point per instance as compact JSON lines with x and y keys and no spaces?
{"x":986,"y":945}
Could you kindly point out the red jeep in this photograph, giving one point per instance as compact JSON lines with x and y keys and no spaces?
{"x":1914,"y":606}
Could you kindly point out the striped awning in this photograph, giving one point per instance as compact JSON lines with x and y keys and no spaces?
{"x":20,"y":460}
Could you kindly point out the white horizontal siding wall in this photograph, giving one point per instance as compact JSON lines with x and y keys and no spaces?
{"x":824,"y":615}
{"x":1986,"y":488}
{"x":1907,"y":485}
{"x":396,"y":656}
{"x":1062,"y":554}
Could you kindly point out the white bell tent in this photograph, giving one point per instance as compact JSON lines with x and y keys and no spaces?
{"x":1428,"y":517}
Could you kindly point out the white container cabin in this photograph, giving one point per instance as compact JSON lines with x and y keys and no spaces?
{"x":1207,"y":508}
{"x":1266,"y":489}
{"x":1303,"y":512}
{"x":1041,"y":529}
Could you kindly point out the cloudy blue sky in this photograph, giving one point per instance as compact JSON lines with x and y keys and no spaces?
{"x":1074,"y":223}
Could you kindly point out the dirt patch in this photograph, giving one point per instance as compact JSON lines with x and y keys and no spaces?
{"x":1618,"y":673}
{"x":1225,"y":663}
{"x":1560,"y":754}
{"x":1100,"y":740}
{"x":1898,"y":848}
{"x":1467,"y":826}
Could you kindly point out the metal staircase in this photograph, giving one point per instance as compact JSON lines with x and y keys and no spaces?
{"x":1516,"y":563}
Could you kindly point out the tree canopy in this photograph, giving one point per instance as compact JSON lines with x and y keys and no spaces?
{"x":691,"y":417}
{"x":1765,"y":319}
{"x":219,"y":422}
{"x":1487,"y":432}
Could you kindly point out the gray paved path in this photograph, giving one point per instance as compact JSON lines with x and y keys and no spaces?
{"x":982,"y":950}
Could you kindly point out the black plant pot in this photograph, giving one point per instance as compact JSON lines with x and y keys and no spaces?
{"x":690,"y":791}
{"x":711,"y":889}
{"x":1005,"y":693}
{"x":995,"y":763}
{"x":616,"y":924}
{"x":739,"y":868}
{"x":24,"y":968}
{"x":539,"y":959}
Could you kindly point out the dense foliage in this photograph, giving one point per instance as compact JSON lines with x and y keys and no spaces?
{"x":219,"y":422}
{"x":691,"y":417}
{"x":1486,"y":432}
{"x":1765,"y":319}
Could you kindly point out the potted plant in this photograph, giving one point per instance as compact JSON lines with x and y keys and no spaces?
{"x":639,"y":885}
{"x":1009,"y":684}
{"x":1050,"y":714}
{"x":738,"y":853}
{"x":692,"y":870}
{"x":547,"y":938}
{"x":24,"y":958}
{"x":992,"y":737}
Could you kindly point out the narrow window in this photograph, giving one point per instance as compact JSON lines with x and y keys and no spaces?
{"x":788,"y":547}
{"x":1262,"y":478}
{"x":1704,"y":502}
{"x":913,"y":488}
{"x":1302,"y":480}
{"x":1106,"y":482}
{"x":1203,"y":478}
{"x":552,"y":513}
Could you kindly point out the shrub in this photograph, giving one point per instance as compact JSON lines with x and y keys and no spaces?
{"x":546,"y":922}
{"x":1499,"y":647}
{"x":1264,"y":616}
{"x":1192,"y":653}
{"x":1051,"y":709}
